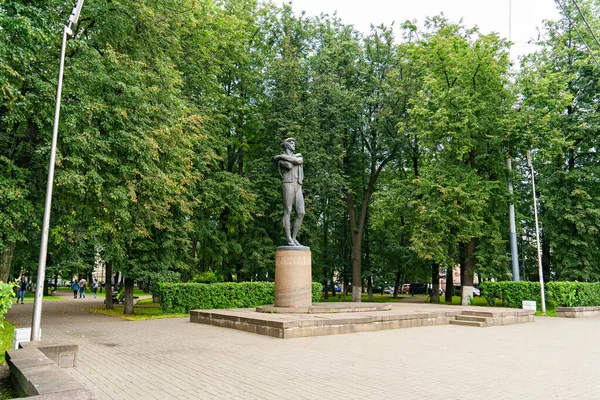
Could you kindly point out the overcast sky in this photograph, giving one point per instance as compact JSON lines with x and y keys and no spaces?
{"x":488,"y":15}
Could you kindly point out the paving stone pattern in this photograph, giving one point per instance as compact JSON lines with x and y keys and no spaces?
{"x":175,"y":359}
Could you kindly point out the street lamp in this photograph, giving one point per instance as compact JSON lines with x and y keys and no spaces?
{"x":524,"y":241}
{"x":41,"y":275}
{"x":537,"y":234}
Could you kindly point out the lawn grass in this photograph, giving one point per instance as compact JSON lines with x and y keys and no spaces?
{"x":388,"y":298}
{"x":6,"y":338}
{"x":30,"y":297}
{"x":377,"y":298}
{"x":143,"y":310}
{"x":550,"y":311}
{"x":477,"y":301}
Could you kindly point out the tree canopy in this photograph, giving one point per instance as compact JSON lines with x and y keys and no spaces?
{"x":173,"y":110}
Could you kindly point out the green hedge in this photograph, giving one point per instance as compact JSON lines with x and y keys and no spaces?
{"x":511,"y":293}
{"x":573,"y":294}
{"x":183,"y":297}
{"x":560,"y":294}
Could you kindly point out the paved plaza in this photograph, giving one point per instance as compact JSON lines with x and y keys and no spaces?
{"x":175,"y":359}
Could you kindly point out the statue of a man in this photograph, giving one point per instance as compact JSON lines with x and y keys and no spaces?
{"x":291,"y":170}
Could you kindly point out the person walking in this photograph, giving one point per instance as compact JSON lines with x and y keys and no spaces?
{"x":82,"y":284}
{"x":95,"y":287}
{"x":75,"y":288}
{"x":22,"y":289}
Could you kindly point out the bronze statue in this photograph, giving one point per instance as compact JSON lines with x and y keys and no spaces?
{"x":291,"y":170}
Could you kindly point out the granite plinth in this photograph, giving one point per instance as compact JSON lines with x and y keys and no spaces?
{"x":326,"y":308}
{"x":293,"y":248}
{"x":287,"y":326}
{"x":293,"y":277}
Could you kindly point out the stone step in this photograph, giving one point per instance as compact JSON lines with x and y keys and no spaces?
{"x":486,"y":320}
{"x":478,"y":313}
{"x":467,"y":323}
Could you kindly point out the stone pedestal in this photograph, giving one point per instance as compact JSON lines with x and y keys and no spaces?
{"x":293,"y":277}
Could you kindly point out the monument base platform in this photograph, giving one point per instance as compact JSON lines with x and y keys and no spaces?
{"x":326,"y":308}
{"x":287,"y":326}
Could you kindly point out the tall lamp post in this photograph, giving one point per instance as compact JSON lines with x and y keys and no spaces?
{"x":513,"y":226}
{"x":41,"y":275}
{"x":537,"y":235}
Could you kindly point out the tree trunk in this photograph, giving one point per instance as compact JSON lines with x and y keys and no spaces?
{"x":546,"y":256}
{"x":467,"y":283}
{"x":108,"y":286}
{"x":449,"y":284}
{"x":435,"y":283}
{"x":128,"y":307}
{"x":194,"y":249}
{"x":45,"y":291}
{"x":239,"y":274}
{"x":356,"y":267}
{"x":326,"y":257}
{"x":6,"y":256}
{"x":397,"y":282}
{"x":370,"y":288}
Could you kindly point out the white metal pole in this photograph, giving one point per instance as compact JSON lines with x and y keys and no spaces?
{"x":41,"y":275}
{"x":537,"y":235}
{"x":37,"y":305}
{"x":513,"y":226}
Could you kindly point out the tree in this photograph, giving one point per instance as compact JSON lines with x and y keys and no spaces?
{"x":461,"y":115}
{"x":560,"y":124}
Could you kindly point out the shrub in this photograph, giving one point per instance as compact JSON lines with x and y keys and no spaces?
{"x":163,"y":276}
{"x":560,"y":294}
{"x":6,"y":299}
{"x":207,"y":277}
{"x":511,"y":293}
{"x":183,"y":297}
{"x":573,"y":294}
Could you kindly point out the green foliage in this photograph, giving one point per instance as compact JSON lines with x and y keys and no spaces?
{"x":172,"y":112}
{"x":7,"y":294}
{"x":6,"y":338}
{"x":573,"y":294}
{"x":559,"y":294}
{"x":207,"y":277}
{"x":158,"y":277}
{"x":183,"y":297}
{"x":511,"y":293}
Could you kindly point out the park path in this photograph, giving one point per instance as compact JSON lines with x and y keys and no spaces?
{"x":176,"y":359}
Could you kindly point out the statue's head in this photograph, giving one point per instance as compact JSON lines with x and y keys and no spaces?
{"x":289,"y":143}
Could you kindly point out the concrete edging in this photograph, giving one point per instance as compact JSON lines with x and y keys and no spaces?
{"x":578,"y":312}
{"x":36,"y":369}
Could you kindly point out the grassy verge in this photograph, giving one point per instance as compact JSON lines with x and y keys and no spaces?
{"x":144,"y":309}
{"x":377,"y":298}
{"x":550,"y":311}
{"x":477,"y":301}
{"x":386,"y":298}
{"x":30,"y":297}
{"x":6,"y":337}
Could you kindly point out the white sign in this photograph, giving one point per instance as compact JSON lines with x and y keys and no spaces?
{"x":529,"y":305}
{"x":22,"y":335}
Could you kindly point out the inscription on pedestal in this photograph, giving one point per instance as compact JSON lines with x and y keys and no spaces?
{"x":291,"y":260}
{"x":293,"y":278}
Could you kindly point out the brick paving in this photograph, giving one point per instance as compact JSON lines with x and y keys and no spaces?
{"x":175,"y":359}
